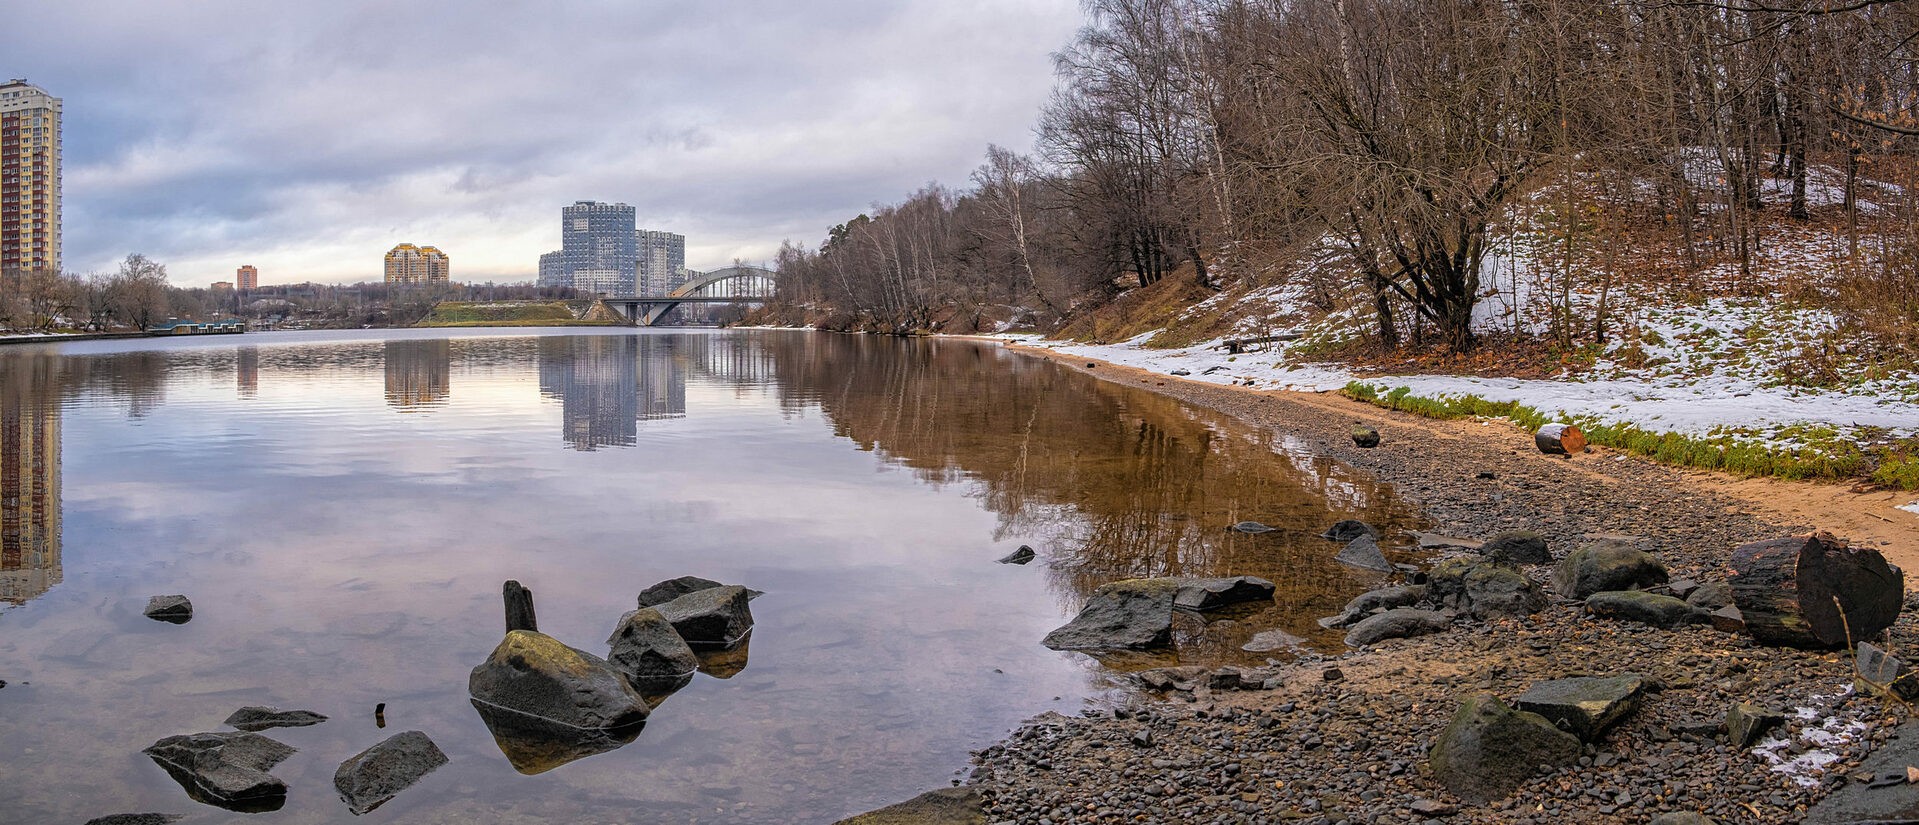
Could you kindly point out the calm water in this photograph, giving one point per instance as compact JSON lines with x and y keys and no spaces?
{"x":342,"y":508}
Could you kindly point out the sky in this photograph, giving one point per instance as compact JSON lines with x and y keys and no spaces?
{"x":307,"y":139}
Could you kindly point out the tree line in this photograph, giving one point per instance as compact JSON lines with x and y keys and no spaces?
{"x":1367,"y":150}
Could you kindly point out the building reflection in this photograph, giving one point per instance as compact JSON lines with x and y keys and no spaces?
{"x":418,"y":374}
{"x":660,"y":368}
{"x":247,"y":372}
{"x":595,"y":379}
{"x":29,"y":479}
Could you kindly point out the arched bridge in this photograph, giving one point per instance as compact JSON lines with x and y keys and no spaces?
{"x":732,"y":285}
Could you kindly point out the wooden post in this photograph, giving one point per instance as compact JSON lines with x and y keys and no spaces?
{"x":519,"y":607}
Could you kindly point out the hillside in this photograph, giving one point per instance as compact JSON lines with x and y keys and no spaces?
{"x":520,"y":314}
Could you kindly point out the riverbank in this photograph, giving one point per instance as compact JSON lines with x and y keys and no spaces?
{"x":58,"y":338}
{"x":1318,"y":749}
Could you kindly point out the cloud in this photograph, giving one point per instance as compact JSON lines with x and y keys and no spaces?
{"x":306,"y":140}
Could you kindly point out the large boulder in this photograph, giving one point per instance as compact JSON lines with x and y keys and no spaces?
{"x":1647,"y":608}
{"x":711,"y":617}
{"x":647,"y":650}
{"x":1517,"y":547}
{"x":1208,"y":594}
{"x":1489,"y":749}
{"x":534,"y":674}
{"x":227,"y":770}
{"x":369,"y":778}
{"x":1492,"y":591}
{"x":1129,"y":614}
{"x":1606,"y":566}
{"x":253,"y":718}
{"x":1397,"y":623}
{"x":1364,"y":552}
{"x":1584,"y":706}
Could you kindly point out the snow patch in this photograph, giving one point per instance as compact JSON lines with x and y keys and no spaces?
{"x":1912,"y":508}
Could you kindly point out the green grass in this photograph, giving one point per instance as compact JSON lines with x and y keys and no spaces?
{"x":503,"y":314}
{"x":1821,"y":453}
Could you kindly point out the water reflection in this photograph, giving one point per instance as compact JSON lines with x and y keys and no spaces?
{"x":246,"y":375}
{"x":29,"y":479}
{"x":419,"y":374}
{"x":534,"y":745}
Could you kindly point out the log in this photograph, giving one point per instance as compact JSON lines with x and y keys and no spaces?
{"x":1814,"y":592}
{"x":1560,"y":439}
{"x":519,"y":607}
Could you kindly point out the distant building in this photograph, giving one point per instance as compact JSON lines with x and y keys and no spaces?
{"x":411,"y":265}
{"x":597,"y":251}
{"x":219,"y":286}
{"x":29,"y":177}
{"x":247,"y":277}
{"x":662,"y":264}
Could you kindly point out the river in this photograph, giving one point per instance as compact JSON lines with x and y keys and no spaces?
{"x":342,"y":507}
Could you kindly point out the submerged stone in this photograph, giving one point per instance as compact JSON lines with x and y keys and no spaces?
{"x":1364,"y":552}
{"x":1210,"y":594}
{"x":254,"y":718}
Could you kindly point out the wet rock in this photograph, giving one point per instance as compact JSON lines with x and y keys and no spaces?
{"x":1709,"y":596}
{"x":1349,"y":529}
{"x":1584,"y":706}
{"x":671,"y":589}
{"x":135,"y":819}
{"x":1251,"y":528}
{"x":227,"y":770}
{"x":1436,"y":541}
{"x":171,"y":609}
{"x":533,"y":745}
{"x":714,"y":616}
{"x":1398,"y":623}
{"x":255,"y":718}
{"x":1385,"y":598}
{"x":1364,"y":552}
{"x":1365,"y":437}
{"x":648,"y":651}
{"x":1746,"y":722}
{"x":1130,"y":614}
{"x":1488,"y":749}
{"x":1647,"y":608}
{"x":946,"y":806}
{"x":369,"y":778}
{"x":1492,"y":591}
{"x":1021,"y":556}
{"x":535,"y":675}
{"x":1876,"y":801}
{"x":1210,"y":594}
{"x":1517,"y":547}
{"x":1606,"y":566}
{"x":1267,"y":641}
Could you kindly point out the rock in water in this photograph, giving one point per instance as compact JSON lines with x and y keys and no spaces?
{"x":1560,"y":439}
{"x":1517,"y":547}
{"x":1606,"y":566}
{"x":1267,"y":641}
{"x":1021,"y":556}
{"x":1251,"y":528}
{"x":1349,"y":529}
{"x":1210,"y":594}
{"x":671,"y":589}
{"x":1876,"y":801}
{"x":371,"y":777}
{"x":135,"y":819}
{"x":1130,"y":614}
{"x":1489,"y":749}
{"x":1365,"y":437}
{"x":1814,"y":591}
{"x":535,"y":745}
{"x":1384,"y":598}
{"x":1397,"y":623}
{"x":226,"y":770}
{"x":259,"y":718}
{"x":946,"y":806}
{"x":713,"y":617}
{"x":648,"y":651}
{"x":534,"y":674}
{"x":1585,"y":706}
{"x":1746,"y":722}
{"x":1364,"y":552}
{"x":170,"y":609}
{"x":1647,"y":608}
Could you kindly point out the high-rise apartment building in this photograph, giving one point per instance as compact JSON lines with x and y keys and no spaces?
{"x":247,"y":277}
{"x":411,"y":265}
{"x":597,"y":251}
{"x":29,"y":177}
{"x":662,"y":265}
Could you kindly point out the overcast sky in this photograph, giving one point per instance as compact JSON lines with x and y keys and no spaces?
{"x":307,"y":139}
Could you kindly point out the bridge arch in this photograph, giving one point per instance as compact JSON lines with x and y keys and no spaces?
{"x":745,"y":284}
{"x":745,"y":274}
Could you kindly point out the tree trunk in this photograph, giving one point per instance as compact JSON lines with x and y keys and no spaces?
{"x":1814,"y":592}
{"x":519,"y":607}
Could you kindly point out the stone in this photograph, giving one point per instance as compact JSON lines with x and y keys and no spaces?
{"x":1606,"y":566}
{"x":711,"y":617}
{"x":369,"y":778}
{"x":1882,"y":673}
{"x":647,"y":650}
{"x":533,"y":745}
{"x":1365,"y":437}
{"x":1432,"y":807}
{"x":1892,"y":800}
{"x":1584,"y":706}
{"x":170,"y":609}
{"x":1385,"y":598}
{"x":1492,"y":591}
{"x":1437,"y":541}
{"x":1682,"y":818}
{"x":1397,"y":623}
{"x":255,"y":718}
{"x":1517,"y":547}
{"x":946,"y":806}
{"x":535,"y":675}
{"x":1182,"y":371}
{"x":1488,"y":749}
{"x":1210,"y":594}
{"x":135,"y":819}
{"x":1646,"y":608}
{"x":1709,"y":596}
{"x":1746,"y":722}
{"x":1251,"y":528}
{"x":1364,"y":552}
{"x":1129,"y":614}
{"x":1727,"y":619}
{"x":1681,"y":588}
{"x":1021,"y":556}
{"x":227,"y":770}
{"x":1267,"y":641}
{"x":1349,"y":529}
{"x":671,"y":589}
